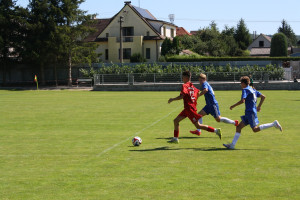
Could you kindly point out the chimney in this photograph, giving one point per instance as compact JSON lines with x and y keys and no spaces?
{"x":127,"y":2}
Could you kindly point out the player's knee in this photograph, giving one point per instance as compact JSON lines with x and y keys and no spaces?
{"x":256,"y":129}
{"x":218,"y":119}
{"x":238,"y":129}
{"x":176,"y":121}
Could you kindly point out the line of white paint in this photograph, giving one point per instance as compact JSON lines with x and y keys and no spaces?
{"x":137,"y":133}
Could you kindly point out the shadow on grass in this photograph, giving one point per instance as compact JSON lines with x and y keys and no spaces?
{"x":157,"y":149}
{"x":167,"y":148}
{"x":224,"y":149}
{"x":188,"y":138}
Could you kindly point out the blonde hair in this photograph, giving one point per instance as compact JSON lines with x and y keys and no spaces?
{"x":202,"y":76}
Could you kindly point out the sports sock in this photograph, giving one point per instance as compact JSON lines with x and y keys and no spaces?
{"x":265,"y":126}
{"x":236,"y":137}
{"x":226,"y":120}
{"x":176,"y":133}
{"x":201,"y":122}
{"x":211,"y":129}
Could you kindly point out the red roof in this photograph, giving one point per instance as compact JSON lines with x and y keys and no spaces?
{"x":181,"y":31}
{"x":99,"y":25}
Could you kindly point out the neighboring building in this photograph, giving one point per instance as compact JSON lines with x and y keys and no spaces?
{"x":194,"y":32}
{"x":142,"y":33}
{"x":261,"y":46}
{"x":180,"y":31}
{"x":295,"y":52}
{"x":257,"y":51}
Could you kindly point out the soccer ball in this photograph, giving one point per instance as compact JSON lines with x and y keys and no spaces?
{"x":136,"y":141}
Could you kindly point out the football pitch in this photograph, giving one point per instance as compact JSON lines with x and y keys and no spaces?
{"x":77,"y":145}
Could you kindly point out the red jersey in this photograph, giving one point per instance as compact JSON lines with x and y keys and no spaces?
{"x":190,"y":96}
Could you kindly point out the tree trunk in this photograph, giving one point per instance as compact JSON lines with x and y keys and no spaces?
{"x":70,"y":70}
{"x":55,"y":72}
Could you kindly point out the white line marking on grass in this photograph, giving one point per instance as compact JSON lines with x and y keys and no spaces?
{"x":110,"y":148}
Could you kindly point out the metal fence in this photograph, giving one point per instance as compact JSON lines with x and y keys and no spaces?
{"x":135,"y":79}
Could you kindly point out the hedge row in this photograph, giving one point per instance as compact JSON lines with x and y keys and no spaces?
{"x":272,"y":70}
{"x":177,"y":58}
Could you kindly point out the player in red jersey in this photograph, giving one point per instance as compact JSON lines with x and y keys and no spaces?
{"x":189,"y":93}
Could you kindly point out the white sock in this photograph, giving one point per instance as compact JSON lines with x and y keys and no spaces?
{"x":201,"y":122}
{"x":226,"y":120}
{"x":265,"y":126}
{"x":236,"y":137}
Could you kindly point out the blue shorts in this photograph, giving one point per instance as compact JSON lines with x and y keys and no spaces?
{"x":212,"y":109}
{"x":251,"y":119}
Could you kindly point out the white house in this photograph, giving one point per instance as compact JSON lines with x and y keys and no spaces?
{"x":142,"y":33}
{"x":261,"y":46}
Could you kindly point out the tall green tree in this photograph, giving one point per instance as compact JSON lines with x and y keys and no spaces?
{"x":286,"y":29}
{"x":11,"y":33}
{"x":188,"y":41}
{"x":41,"y":37}
{"x":279,"y":45}
{"x":242,"y":35}
{"x":230,"y":45}
{"x":210,"y":36}
{"x":75,"y":27}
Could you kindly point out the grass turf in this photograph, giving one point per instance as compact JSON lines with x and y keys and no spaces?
{"x":77,"y":145}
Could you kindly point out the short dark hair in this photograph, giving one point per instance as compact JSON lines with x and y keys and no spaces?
{"x":186,"y":73}
{"x":245,"y":79}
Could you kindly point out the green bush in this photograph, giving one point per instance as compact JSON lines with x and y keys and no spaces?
{"x":279,"y":45}
{"x":202,"y":59}
{"x":137,"y":58}
{"x":215,"y":72}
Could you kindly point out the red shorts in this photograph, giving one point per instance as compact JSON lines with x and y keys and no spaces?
{"x":191,"y":114}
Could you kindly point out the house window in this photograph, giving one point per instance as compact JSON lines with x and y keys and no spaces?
{"x":148,"y":33}
{"x":172,"y":33}
{"x":126,"y":53}
{"x":261,"y":44}
{"x":164,"y":33}
{"x":106,"y":54}
{"x":128,"y":31}
{"x":148,"y":53}
{"x":107,"y":35}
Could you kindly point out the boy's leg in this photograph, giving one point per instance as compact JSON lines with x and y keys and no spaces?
{"x":198,"y":131}
{"x":269,"y":125}
{"x":215,"y":112}
{"x":176,"y":128}
{"x":227,"y":121}
{"x":209,"y":129}
{"x":236,"y":136}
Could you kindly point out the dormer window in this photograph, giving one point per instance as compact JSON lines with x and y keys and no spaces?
{"x":261,"y":44}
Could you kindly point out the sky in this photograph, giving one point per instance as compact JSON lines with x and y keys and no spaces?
{"x":262,"y":16}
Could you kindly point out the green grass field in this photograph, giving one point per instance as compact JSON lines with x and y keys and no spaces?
{"x":77,"y":145}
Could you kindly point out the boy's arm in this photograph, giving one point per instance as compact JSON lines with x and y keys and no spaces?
{"x":204,"y":91}
{"x":175,"y":99}
{"x":262,"y":99}
{"x":237,"y":104}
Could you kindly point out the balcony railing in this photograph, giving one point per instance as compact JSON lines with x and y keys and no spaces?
{"x":126,"y":39}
